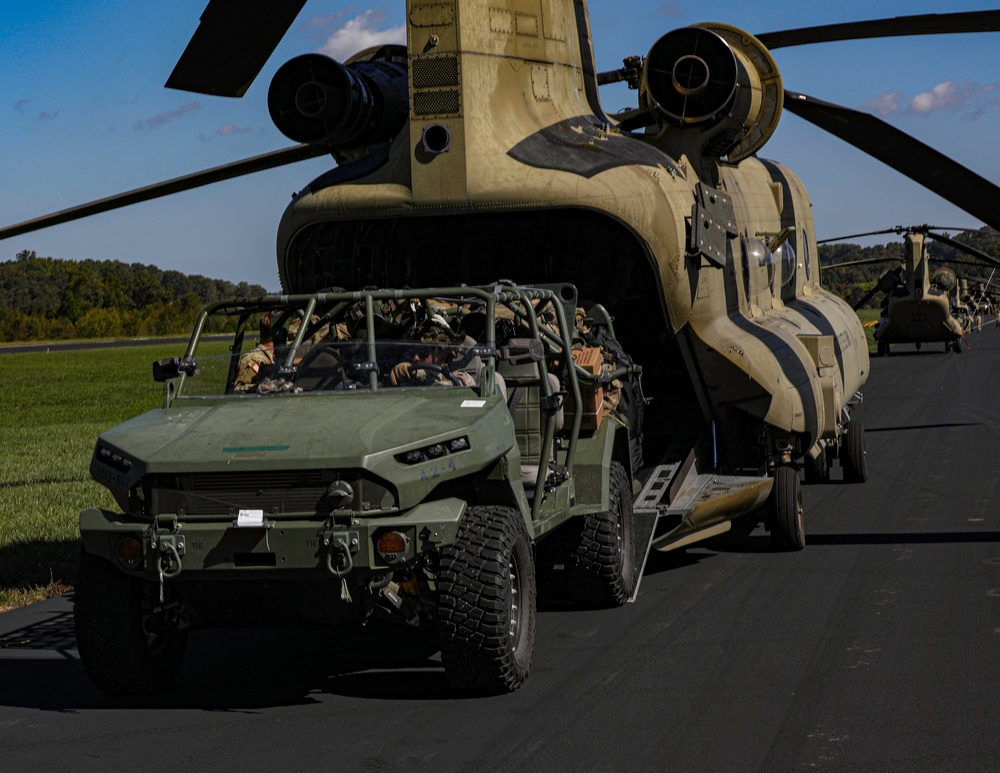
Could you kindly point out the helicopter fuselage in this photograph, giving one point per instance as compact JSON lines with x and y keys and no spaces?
{"x":507,"y":167}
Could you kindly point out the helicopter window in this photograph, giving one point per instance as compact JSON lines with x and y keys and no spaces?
{"x":805,"y":260}
{"x":758,"y":270}
{"x":786,"y":256}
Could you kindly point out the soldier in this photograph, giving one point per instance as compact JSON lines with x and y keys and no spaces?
{"x":429,"y":362}
{"x":260,"y":357}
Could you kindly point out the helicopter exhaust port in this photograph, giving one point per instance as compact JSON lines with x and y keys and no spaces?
{"x":686,"y":87}
{"x":436,"y":139}
{"x":318,"y":100}
{"x":718,"y":81}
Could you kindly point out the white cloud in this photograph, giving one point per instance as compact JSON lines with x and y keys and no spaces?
{"x":231,"y":128}
{"x":884,"y":104}
{"x":163,"y":118}
{"x":967,"y":98}
{"x":945,"y":96}
{"x":670,"y":8}
{"x":360,"y":33}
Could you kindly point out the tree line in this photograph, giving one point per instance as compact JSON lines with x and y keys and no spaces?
{"x":44,"y":299}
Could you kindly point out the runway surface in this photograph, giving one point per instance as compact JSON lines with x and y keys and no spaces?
{"x":875,"y":648}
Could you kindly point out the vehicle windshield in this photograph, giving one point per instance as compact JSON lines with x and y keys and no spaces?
{"x":413,"y":346}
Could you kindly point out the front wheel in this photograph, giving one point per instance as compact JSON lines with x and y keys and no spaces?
{"x":601,"y":565}
{"x":788,"y":531}
{"x":124,"y":648}
{"x":486,"y":602}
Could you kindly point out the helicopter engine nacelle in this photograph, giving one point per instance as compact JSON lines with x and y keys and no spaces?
{"x":944,"y":279}
{"x":717,"y":79}
{"x":318,"y":100}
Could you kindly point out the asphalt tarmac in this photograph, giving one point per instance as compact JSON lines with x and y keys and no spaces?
{"x":877,"y":648}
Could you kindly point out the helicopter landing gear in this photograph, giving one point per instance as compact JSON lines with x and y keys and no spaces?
{"x":955,"y":346}
{"x":785,"y":514}
{"x":883,"y":348}
{"x":817,"y":468}
{"x":853,"y":455}
{"x":917,"y":344}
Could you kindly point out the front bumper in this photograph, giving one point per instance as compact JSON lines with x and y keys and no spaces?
{"x":202,"y":549}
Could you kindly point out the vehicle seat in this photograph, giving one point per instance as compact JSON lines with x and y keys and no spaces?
{"x":523,"y":399}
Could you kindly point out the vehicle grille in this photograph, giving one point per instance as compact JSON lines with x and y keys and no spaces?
{"x":274,"y":492}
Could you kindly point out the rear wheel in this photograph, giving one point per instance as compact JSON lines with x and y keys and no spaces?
{"x":124,"y":648}
{"x":853,"y":456}
{"x":601,"y":565}
{"x":486,"y":602}
{"x":788,"y":530}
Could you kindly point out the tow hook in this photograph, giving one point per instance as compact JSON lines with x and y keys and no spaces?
{"x":341,"y":547}
{"x":170,"y":547}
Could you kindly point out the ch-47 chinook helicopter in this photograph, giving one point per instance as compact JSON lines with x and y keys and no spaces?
{"x":480,"y":150}
{"x":921,"y":304}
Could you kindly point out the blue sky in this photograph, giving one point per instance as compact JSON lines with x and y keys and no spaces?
{"x":83,"y":114}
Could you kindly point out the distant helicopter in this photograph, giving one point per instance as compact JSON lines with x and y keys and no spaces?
{"x":921,"y":305}
{"x":481,"y":150}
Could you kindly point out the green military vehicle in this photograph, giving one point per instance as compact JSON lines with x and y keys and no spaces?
{"x":403,"y":455}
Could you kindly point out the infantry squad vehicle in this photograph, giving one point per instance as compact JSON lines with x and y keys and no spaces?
{"x":401,"y":455}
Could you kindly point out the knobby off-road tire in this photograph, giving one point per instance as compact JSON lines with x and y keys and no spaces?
{"x":601,"y":561}
{"x":853,"y":456}
{"x":117,"y":654}
{"x":486,"y":602}
{"x":788,"y":530}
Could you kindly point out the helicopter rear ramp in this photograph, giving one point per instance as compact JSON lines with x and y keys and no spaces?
{"x":678,"y":506}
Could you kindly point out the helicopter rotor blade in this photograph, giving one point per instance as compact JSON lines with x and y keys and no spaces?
{"x":908,"y":155}
{"x":924,"y":24}
{"x":867,"y":297}
{"x":232,"y":43}
{"x":895,"y":230}
{"x":216,"y":174}
{"x":964,"y":248}
{"x":863,"y":262}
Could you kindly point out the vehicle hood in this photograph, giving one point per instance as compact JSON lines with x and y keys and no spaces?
{"x":306,"y":431}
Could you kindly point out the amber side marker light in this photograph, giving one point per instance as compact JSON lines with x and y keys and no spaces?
{"x":392,"y":546}
{"x":129,"y":552}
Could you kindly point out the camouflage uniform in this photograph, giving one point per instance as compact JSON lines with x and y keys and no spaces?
{"x":250,"y":365}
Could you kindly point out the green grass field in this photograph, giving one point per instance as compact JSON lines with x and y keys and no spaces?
{"x":54,"y":406}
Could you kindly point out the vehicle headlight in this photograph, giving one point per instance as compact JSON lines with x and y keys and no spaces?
{"x":434,"y":451}
{"x":114,"y":459}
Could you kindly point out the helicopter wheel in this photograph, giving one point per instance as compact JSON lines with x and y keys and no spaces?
{"x":918,"y":345}
{"x":817,"y":468}
{"x":788,"y":531}
{"x":853,"y":456}
{"x":883,"y":348}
